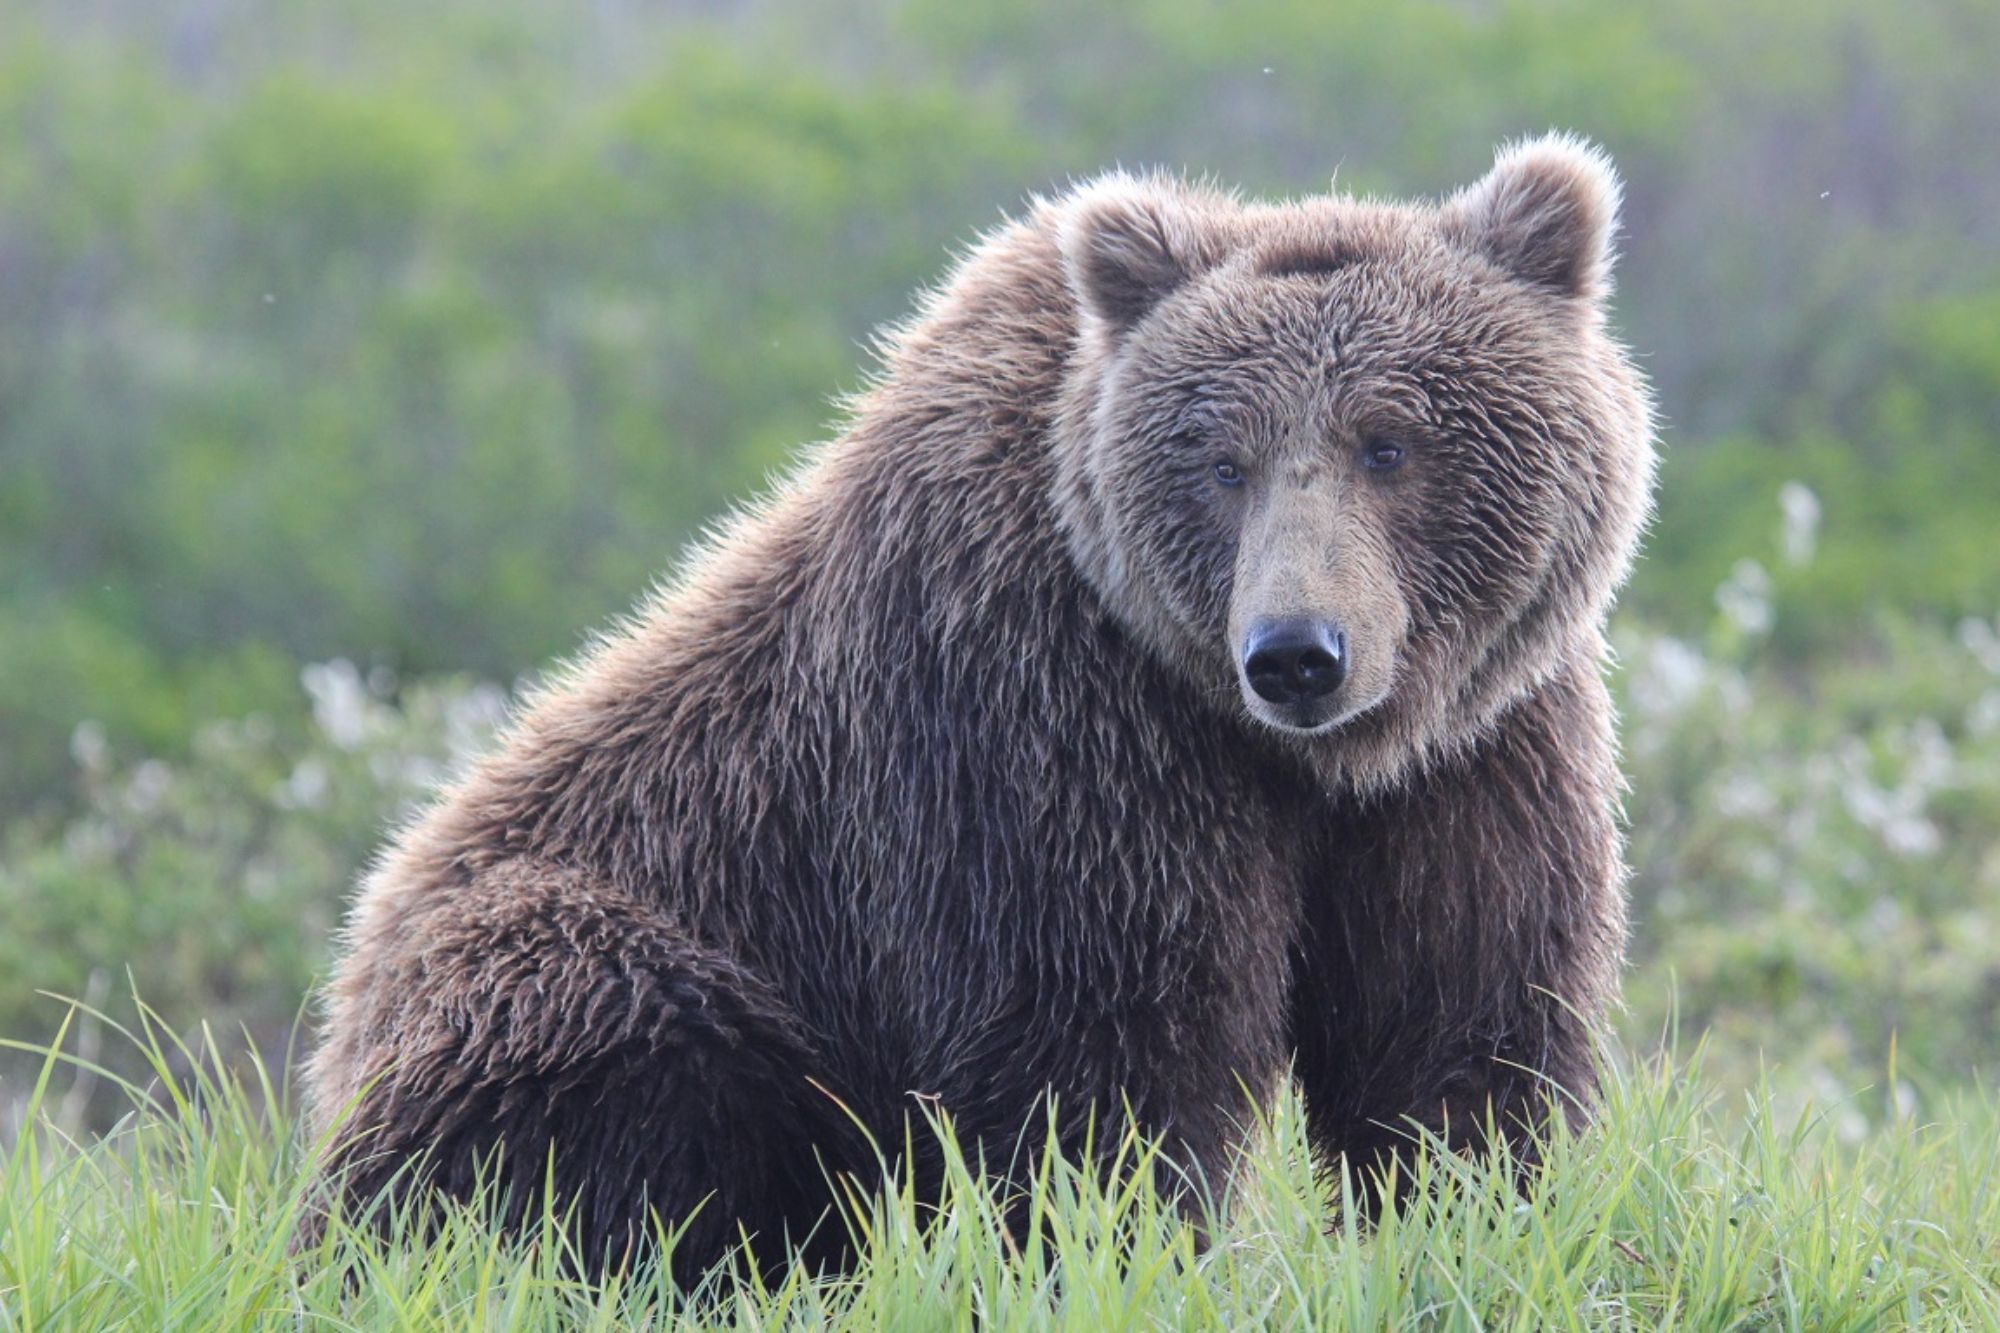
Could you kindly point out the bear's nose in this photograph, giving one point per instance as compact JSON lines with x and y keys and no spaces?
{"x":1295,"y":661}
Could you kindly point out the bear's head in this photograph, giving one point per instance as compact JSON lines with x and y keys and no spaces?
{"x":1367,"y":471}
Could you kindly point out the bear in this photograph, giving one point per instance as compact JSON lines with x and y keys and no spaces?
{"x":1182,"y":673}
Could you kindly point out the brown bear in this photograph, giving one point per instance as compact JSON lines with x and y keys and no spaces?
{"x":1183,"y":671}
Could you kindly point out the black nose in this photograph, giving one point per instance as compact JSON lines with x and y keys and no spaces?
{"x":1295,"y":661}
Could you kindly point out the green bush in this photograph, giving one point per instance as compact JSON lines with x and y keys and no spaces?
{"x":213,"y":882}
{"x":1817,"y":858}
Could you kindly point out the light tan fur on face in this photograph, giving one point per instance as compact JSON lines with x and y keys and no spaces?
{"x":1309,"y":549}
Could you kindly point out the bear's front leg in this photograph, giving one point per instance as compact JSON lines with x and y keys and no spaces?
{"x":1462,"y":936}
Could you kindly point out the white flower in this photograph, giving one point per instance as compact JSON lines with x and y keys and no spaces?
{"x":1800,"y":532}
{"x":1667,"y":678}
{"x":307,"y":787}
{"x":1744,"y":795}
{"x":1980,"y":640}
{"x":1983,"y":718}
{"x":339,"y":701}
{"x":89,"y":746}
{"x":1745,"y":597}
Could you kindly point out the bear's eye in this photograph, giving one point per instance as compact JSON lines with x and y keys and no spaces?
{"x":1228,"y":473}
{"x":1382,"y":455}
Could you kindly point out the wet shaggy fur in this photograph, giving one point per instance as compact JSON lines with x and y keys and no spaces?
{"x":936,"y":774}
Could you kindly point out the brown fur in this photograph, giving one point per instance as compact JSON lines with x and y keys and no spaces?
{"x":936,"y":774}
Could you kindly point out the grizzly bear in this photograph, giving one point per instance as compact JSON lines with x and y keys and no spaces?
{"x":1182,"y":673}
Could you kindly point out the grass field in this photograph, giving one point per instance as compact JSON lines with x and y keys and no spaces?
{"x":1673,"y":1211}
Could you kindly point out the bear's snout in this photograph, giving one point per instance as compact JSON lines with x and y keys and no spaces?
{"x":1296,"y":664}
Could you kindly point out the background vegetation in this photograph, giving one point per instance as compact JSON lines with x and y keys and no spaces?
{"x":352,"y":356}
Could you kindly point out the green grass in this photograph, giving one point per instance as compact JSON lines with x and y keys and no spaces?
{"x":1673,"y":1211}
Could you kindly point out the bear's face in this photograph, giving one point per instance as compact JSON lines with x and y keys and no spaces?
{"x":1367,"y":468}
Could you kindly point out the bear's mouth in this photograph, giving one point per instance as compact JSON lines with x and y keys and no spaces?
{"x":1303,"y":719}
{"x":1297,"y":719}
{"x":1306,"y":719}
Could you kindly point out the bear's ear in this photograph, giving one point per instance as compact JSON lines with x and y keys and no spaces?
{"x":1545,"y":214}
{"x":1126,"y":243}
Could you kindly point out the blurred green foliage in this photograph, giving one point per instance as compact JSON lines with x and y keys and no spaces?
{"x":217,"y":879}
{"x":1816,"y":848}
{"x":425,"y":336}
{"x":428,"y":335}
